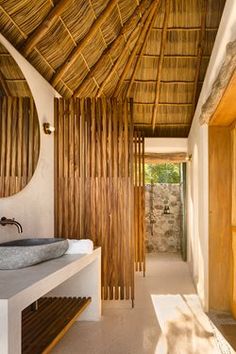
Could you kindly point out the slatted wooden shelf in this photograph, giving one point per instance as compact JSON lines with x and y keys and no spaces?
{"x":42,"y":329}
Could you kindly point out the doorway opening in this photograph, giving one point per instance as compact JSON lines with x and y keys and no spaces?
{"x":165,"y":214}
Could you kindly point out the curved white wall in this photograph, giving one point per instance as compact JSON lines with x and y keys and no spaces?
{"x":33,"y":206}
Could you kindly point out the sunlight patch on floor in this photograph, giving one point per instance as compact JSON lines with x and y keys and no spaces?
{"x":185,"y":327}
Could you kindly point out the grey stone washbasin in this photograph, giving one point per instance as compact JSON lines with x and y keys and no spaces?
{"x":27,"y":252}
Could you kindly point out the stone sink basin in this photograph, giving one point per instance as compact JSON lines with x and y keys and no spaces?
{"x":27,"y":252}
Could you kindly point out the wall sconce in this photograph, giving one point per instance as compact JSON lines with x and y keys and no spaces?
{"x":48,"y":128}
{"x":188,"y":158}
{"x":166,"y":209}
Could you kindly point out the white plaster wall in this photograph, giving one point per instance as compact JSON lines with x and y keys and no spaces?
{"x":197,"y":170}
{"x":166,"y":145}
{"x":33,"y":206}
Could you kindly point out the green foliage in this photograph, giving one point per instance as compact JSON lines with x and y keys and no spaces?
{"x":162,"y":173}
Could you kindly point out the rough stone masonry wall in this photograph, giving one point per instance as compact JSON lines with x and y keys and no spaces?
{"x":163,"y":232}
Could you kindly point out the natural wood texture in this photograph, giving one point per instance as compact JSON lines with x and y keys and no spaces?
{"x":221,"y":102}
{"x":43,"y":328}
{"x":160,"y":64}
{"x":138,"y":44}
{"x":220,"y":240}
{"x":140,"y":55}
{"x":44,"y":26}
{"x":131,"y":22}
{"x":163,"y":157}
{"x":101,"y":54}
{"x":201,"y":44}
{"x":139,"y":202}
{"x":94,"y":184}
{"x":120,"y":59}
{"x":72,"y":57}
{"x":19,"y":143}
{"x":233,"y":221}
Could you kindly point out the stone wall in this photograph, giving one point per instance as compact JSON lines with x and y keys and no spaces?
{"x":163,"y":231}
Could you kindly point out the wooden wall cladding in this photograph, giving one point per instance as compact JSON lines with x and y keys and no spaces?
{"x":220,"y":204}
{"x":233,"y":219}
{"x":139,"y":202}
{"x":19,"y":143}
{"x":94,"y":183}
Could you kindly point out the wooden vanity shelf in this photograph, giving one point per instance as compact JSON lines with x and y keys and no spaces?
{"x":43,"y":328}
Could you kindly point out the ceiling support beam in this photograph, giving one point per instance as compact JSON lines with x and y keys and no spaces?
{"x":75,"y":53}
{"x":160,"y":64}
{"x":199,"y":52}
{"x":124,"y":51}
{"x":44,"y":26}
{"x":140,"y":55}
{"x":137,"y":45}
{"x":176,"y":157}
{"x":130,"y":23}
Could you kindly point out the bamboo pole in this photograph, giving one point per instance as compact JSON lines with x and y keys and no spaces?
{"x":161,"y":59}
{"x":131,"y":22}
{"x":141,"y":39}
{"x":141,"y":53}
{"x":44,"y":26}
{"x":72,"y":57}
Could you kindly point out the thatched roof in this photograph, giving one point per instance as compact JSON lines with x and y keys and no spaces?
{"x":12,"y":81}
{"x":155,"y":51}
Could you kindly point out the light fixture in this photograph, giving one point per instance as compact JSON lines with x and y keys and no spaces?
{"x":166,"y":209}
{"x":188,"y":158}
{"x":48,"y":128}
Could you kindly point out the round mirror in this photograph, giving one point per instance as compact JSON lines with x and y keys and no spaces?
{"x":19,"y":128}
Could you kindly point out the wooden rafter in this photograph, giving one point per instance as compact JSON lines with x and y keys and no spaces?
{"x":199,"y":52}
{"x":121,"y":57}
{"x":140,"y":55}
{"x":72,"y":57}
{"x":166,"y":157}
{"x":161,"y":59}
{"x":107,"y":52}
{"x":4,"y":84}
{"x":164,"y":124}
{"x":140,"y":40}
{"x":44,"y":26}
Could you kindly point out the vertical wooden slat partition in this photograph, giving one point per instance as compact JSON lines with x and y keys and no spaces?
{"x":139,"y":202}
{"x":19,"y":143}
{"x":94,"y":184}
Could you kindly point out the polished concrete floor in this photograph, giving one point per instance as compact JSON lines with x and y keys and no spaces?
{"x":149,"y":328}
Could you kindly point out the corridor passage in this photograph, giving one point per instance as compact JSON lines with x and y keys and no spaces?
{"x":167,"y":318}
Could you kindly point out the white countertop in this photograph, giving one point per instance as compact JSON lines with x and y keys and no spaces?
{"x":15,"y":282}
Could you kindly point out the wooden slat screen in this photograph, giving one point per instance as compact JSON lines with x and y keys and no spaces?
{"x":19,"y":143}
{"x":139,"y":202}
{"x":94,"y":184}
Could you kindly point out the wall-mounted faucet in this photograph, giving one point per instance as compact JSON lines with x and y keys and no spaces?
{"x":4,"y":221}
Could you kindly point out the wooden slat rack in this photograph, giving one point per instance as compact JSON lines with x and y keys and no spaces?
{"x":43,"y":328}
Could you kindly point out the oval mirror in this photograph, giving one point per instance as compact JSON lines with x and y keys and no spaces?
{"x":19,"y":128}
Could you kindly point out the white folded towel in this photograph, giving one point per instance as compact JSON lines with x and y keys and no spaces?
{"x":80,"y":246}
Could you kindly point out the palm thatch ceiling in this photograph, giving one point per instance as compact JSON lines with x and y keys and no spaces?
{"x":12,"y":81}
{"x":154,"y":51}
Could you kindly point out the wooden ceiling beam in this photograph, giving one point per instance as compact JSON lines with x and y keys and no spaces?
{"x":75,"y":53}
{"x":4,"y":84}
{"x":131,"y":22}
{"x":140,"y":40}
{"x":165,"y":104}
{"x":44,"y":26}
{"x":175,"y":157}
{"x":140,"y":55}
{"x":199,"y":52}
{"x":161,"y":59}
{"x":163,"y":124}
{"x":121,"y":57}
